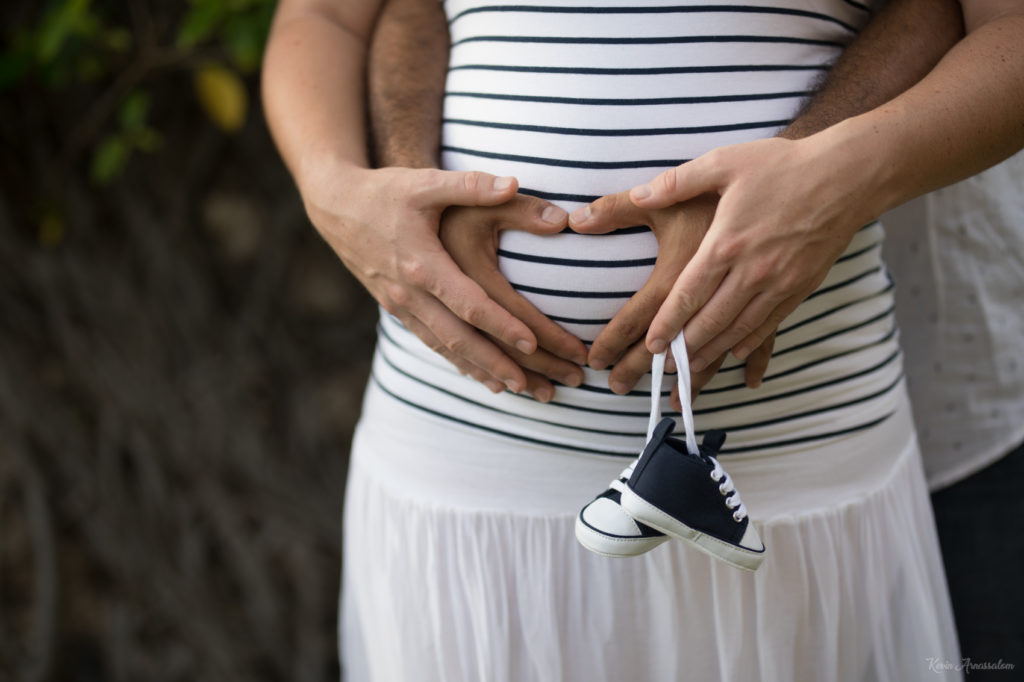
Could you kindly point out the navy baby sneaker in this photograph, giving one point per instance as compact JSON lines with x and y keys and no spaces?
{"x":605,"y":528}
{"x":690,"y":497}
{"x":674,"y":488}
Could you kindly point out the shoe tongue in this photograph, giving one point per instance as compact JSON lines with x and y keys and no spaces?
{"x":713,"y":441}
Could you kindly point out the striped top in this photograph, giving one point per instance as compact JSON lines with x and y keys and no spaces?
{"x":581,"y":98}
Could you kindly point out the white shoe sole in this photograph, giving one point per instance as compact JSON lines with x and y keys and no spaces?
{"x":614,"y":546}
{"x":643,"y":511}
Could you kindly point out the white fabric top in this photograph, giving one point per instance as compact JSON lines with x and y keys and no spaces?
{"x":579,"y":99}
{"x":957,"y":256}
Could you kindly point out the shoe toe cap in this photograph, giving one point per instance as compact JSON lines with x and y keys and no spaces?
{"x":609,"y":517}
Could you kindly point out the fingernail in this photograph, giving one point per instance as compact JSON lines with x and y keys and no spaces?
{"x":514,"y":386}
{"x":524,"y":346}
{"x":619,"y":387}
{"x":697,"y":364}
{"x":502,"y":183}
{"x":641,"y":192}
{"x":657,"y":346}
{"x":754,"y":383}
{"x":580,"y":359}
{"x":495,"y":386}
{"x":742,"y":354}
{"x":544,"y":394}
{"x":580,"y":215}
{"x":553,"y":215}
{"x":572,"y":379}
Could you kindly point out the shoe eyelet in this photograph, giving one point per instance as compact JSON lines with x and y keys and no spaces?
{"x":722,"y":490}
{"x":715,"y":477}
{"x":736,"y":517}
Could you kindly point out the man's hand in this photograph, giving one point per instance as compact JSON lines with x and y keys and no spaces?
{"x":763,"y":253}
{"x":383,"y":224}
{"x":470,"y":234}
{"x":679,"y":230}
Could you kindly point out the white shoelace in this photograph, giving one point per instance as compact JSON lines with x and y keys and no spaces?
{"x":718,"y":474}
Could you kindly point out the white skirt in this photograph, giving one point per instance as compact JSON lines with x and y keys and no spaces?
{"x":460,"y":564}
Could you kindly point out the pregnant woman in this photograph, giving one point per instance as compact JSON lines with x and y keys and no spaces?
{"x":460,"y":556}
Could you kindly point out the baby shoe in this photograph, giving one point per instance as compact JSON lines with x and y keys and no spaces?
{"x":688,"y":496}
{"x":674,"y":488}
{"x":605,"y":528}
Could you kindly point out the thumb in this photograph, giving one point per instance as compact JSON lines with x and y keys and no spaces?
{"x":610,"y":212}
{"x":530,"y":214}
{"x":691,"y":179}
{"x":440,"y":189}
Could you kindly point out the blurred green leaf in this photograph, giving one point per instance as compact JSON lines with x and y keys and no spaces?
{"x":109,"y":159}
{"x":200,"y":21}
{"x":62,"y":21}
{"x":117,"y":39}
{"x":134,"y":111}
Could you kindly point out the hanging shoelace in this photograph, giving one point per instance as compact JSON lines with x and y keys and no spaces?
{"x":718,"y":474}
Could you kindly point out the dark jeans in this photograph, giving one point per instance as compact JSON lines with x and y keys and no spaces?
{"x":981,"y":529}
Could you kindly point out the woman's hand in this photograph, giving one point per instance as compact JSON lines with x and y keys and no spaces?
{"x":679,"y":229}
{"x":471,"y":234}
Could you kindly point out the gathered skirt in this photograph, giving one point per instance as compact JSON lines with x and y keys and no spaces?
{"x":460,"y":564}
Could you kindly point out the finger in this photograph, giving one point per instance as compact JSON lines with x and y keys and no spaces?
{"x":550,"y":336}
{"x":464,"y":341}
{"x":698,"y":380}
{"x":633,"y":319}
{"x":732,"y":314}
{"x":707,"y":173}
{"x":538,"y":387}
{"x":549,"y":366}
{"x":757,"y":362}
{"x":633,"y":365}
{"x":530,"y":214}
{"x":610,"y":212}
{"x":464,"y":367}
{"x":747,"y":346}
{"x":439,"y":189}
{"x":471,"y":304}
{"x":694,"y":287}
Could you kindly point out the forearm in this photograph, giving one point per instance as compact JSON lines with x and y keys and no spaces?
{"x":964,"y":116}
{"x":408,"y":63}
{"x":893,"y":52}
{"x":314,"y":85}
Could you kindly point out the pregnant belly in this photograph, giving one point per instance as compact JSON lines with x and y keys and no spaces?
{"x":579,"y":281}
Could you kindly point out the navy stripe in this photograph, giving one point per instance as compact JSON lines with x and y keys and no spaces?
{"x":812,"y":413}
{"x":573,"y":263}
{"x":806,"y":439}
{"x":575,"y":320}
{"x":839,"y":332}
{"x":620,"y":132}
{"x":654,"y":101}
{"x":807,"y":389}
{"x":507,"y":434}
{"x":651,"y":71}
{"x":654,"y":40}
{"x":666,"y":9}
{"x":845,"y":283}
{"x":570,"y":293}
{"x":497,"y":410}
{"x":565,"y":163}
{"x":558,"y":196}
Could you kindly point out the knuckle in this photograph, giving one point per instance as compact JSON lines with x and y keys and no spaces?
{"x":413,"y":271}
{"x":398,"y":298}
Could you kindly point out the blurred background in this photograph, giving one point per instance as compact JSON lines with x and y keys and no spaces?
{"x":181,"y":357}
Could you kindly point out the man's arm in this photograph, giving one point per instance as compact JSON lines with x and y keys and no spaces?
{"x":382,"y":223}
{"x":408,"y":62}
{"x":756,"y":266}
{"x":893,"y":52}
